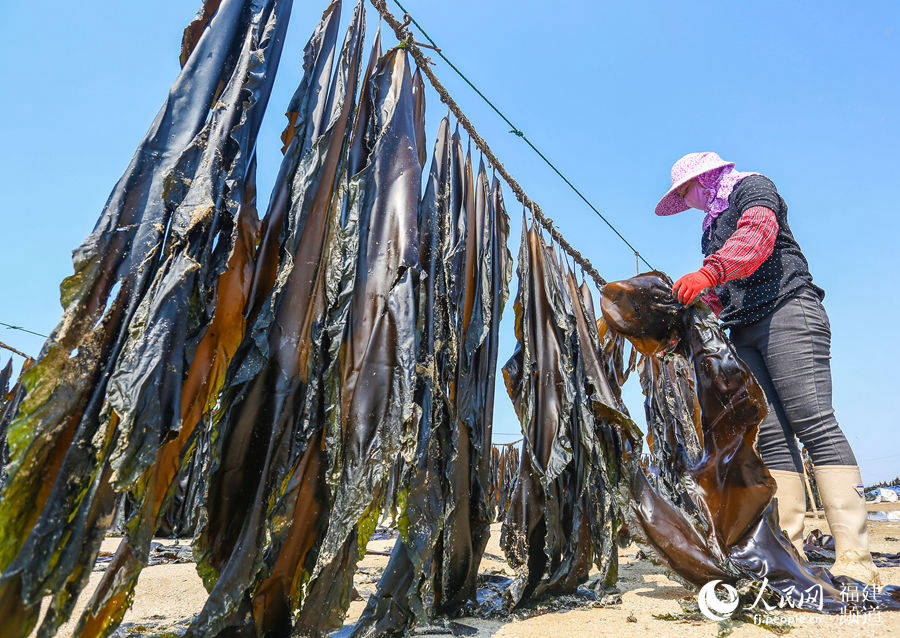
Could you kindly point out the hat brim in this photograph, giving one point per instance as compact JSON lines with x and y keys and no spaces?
{"x":672,"y":203}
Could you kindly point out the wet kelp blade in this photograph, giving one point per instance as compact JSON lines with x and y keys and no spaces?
{"x":708,"y":516}
{"x":398,"y":601}
{"x":209,"y":252}
{"x":176,"y":477}
{"x":5,"y":398}
{"x":486,"y":273}
{"x":605,"y":433}
{"x":9,"y":404}
{"x":463,"y":229}
{"x":265,"y":488}
{"x":562,"y":513}
{"x":372,"y":419}
{"x":180,"y":516}
{"x":5,"y":376}
{"x":156,"y":233}
{"x":670,"y":405}
{"x":504,"y":465}
{"x":465,"y":530}
{"x":541,"y":392}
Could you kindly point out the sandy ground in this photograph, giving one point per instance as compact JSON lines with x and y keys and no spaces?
{"x":168,"y":595}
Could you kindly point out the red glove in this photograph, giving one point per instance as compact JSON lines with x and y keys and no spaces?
{"x":692,"y":284}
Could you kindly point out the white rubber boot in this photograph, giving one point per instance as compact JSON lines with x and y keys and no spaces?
{"x":791,"y":505}
{"x":840,"y":487}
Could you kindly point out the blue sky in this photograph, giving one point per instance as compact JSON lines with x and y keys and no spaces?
{"x":805,"y":92}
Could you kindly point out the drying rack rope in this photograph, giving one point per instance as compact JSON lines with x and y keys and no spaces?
{"x":408,"y":43}
{"x":14,"y":351}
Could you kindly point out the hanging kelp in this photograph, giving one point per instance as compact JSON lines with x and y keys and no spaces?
{"x":126,"y":371}
{"x":5,"y":376}
{"x":370,"y":416}
{"x":504,"y":466}
{"x":608,"y":434}
{"x":465,"y":274}
{"x":612,"y":355}
{"x":266,"y":504}
{"x":9,"y":402}
{"x":396,"y":492}
{"x":673,"y":415}
{"x":181,"y":517}
{"x":562,"y":513}
{"x":709,"y":516}
{"x":5,"y":398}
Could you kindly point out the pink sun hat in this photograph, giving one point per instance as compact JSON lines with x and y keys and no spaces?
{"x":684,"y":170}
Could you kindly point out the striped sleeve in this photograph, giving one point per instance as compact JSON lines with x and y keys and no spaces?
{"x":750,"y":245}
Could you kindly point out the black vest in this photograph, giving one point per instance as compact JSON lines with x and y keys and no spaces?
{"x":780,"y":277}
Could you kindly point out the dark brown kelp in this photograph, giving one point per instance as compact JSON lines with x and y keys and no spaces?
{"x":5,"y":376}
{"x":370,"y":416}
{"x":504,"y":465}
{"x":562,"y":513}
{"x":266,"y":502}
{"x":5,"y":399}
{"x":107,"y":389}
{"x":9,"y":403}
{"x":390,"y":610}
{"x":673,"y":414}
{"x":180,"y":518}
{"x":710,"y":515}
{"x":465,"y":268}
{"x":152,"y":472}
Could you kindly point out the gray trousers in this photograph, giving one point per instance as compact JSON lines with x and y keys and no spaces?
{"x":789,"y":352}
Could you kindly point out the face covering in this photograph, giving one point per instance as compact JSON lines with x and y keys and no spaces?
{"x":713,"y":189}
{"x":699,"y":196}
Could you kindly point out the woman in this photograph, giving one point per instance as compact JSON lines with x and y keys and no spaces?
{"x":758,"y":282}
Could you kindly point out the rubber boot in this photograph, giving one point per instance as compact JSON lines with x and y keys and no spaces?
{"x":840,"y":487}
{"x":791,"y":505}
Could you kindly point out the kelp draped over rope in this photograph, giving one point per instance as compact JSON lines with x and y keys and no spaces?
{"x":562,"y":512}
{"x":10,"y":397}
{"x":341,"y":357}
{"x":504,"y":465}
{"x":465,"y":271}
{"x":330,"y":309}
{"x":118,"y":387}
{"x":265,"y":498}
{"x":703,"y":505}
{"x":370,"y":378}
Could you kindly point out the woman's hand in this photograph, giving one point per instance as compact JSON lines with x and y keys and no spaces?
{"x":692,"y":284}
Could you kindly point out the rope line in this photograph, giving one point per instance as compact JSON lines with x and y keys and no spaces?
{"x":11,"y":349}
{"x":12,"y":327}
{"x":409,"y":43}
